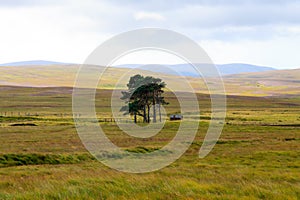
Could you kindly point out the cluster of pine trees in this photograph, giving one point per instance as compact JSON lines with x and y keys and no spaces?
{"x":142,"y":94}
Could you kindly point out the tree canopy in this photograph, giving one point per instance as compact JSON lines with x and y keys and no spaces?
{"x":142,"y":94}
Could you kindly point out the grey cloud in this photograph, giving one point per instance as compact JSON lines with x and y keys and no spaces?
{"x":222,"y":20}
{"x":236,"y":15}
{"x":26,"y":3}
{"x":204,"y":19}
{"x":165,"y":5}
{"x":190,"y":13}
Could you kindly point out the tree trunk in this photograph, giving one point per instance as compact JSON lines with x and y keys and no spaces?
{"x":154,"y":108}
{"x":159,"y":104}
{"x":135,"y":118}
{"x":148,"y":113}
{"x":159,"y":112}
{"x":144,"y":114}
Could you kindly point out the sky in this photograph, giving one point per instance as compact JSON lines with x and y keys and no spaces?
{"x":261,"y":32}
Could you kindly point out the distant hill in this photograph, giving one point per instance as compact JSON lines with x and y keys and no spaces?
{"x":177,"y":69}
{"x":33,"y":62}
{"x":238,"y":68}
{"x":267,"y":83}
{"x":188,"y":70}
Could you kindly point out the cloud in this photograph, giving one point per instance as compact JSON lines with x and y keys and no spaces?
{"x":68,"y":30}
{"x":27,"y":3}
{"x":280,"y":52}
{"x":148,"y":16}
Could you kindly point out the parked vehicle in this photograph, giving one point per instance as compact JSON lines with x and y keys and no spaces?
{"x":176,"y":117}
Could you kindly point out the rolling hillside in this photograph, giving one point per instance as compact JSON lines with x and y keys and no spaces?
{"x":188,"y":70}
{"x":65,"y":75}
{"x":268,"y":83}
{"x":181,"y":69}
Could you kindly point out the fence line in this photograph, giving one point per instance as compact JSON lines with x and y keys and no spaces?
{"x":61,"y":115}
{"x":18,"y":114}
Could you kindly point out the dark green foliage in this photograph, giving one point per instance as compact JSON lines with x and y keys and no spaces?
{"x":143,"y":92}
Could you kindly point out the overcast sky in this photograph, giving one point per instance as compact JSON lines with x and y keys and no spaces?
{"x":256,"y":32}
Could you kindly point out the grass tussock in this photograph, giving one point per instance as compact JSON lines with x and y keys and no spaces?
{"x":141,"y":149}
{"x":14,"y":119}
{"x":7,"y":160}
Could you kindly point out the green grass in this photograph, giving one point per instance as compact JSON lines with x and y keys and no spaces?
{"x":141,"y":149}
{"x":7,"y":160}
{"x":257,"y":156}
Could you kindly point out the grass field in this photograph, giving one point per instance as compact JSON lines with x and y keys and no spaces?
{"x":42,"y":157}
